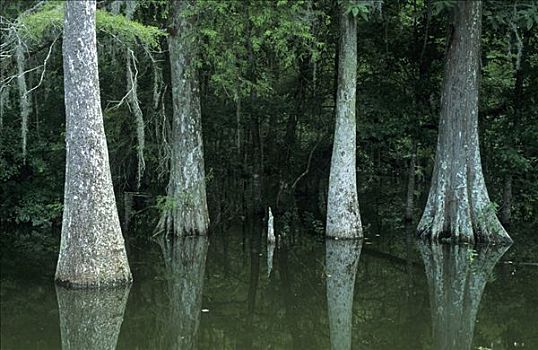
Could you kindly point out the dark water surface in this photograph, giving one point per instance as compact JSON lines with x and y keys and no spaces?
{"x":388,"y":292}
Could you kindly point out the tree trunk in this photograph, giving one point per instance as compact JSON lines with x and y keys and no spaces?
{"x":518,"y":103}
{"x":92,"y":251}
{"x":342,"y":259}
{"x":343,"y":218}
{"x":457,"y":276}
{"x":187,"y":212}
{"x":506,"y":212}
{"x":458,"y":207}
{"x":410,"y":200}
{"x":91,"y":319}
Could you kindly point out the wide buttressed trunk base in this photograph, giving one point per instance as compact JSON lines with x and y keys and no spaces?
{"x":186,"y":211}
{"x":343,"y":218}
{"x":92,"y":249}
{"x":458,"y":207}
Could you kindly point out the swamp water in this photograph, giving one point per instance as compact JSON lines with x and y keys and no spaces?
{"x":233,"y":291}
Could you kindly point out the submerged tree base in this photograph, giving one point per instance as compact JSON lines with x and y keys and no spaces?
{"x":113,"y":284}
{"x":354,"y":235}
{"x":484,"y":229}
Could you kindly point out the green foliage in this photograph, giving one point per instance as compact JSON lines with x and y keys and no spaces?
{"x":276,"y":61}
{"x":358,"y":8}
{"x":522,"y":14}
{"x":127,"y":32}
{"x":165,"y":203}
{"x":237,"y":36}
{"x":36,"y":26}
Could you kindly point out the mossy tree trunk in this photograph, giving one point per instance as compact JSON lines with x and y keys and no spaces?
{"x":187,"y":212}
{"x":343,"y":219}
{"x":458,"y":207}
{"x":92,"y":250}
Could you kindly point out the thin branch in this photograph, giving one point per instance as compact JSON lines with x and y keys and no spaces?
{"x":44,"y":66}
{"x":307,"y":166}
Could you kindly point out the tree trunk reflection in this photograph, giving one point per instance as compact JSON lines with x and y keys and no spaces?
{"x":184,"y":262}
{"x":342,"y":258}
{"x":456,"y":277}
{"x":91,"y":319}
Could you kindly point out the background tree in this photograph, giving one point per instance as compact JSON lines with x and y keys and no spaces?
{"x":92,"y":250}
{"x":186,"y":212}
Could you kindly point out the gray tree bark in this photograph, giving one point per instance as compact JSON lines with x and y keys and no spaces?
{"x":458,"y":207}
{"x":91,"y":319}
{"x":342,"y":259}
{"x":457,"y":276}
{"x":343,"y":218}
{"x":92,"y":250}
{"x":187,"y":213}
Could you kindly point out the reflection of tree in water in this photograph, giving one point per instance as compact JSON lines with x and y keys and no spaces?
{"x":91,"y":319}
{"x":184,"y":263}
{"x":457,"y":276}
{"x":342,"y":258}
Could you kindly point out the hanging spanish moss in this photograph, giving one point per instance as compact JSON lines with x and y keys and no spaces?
{"x":24,"y":101}
{"x":157,"y":85}
{"x":132,"y":99}
{"x":130,"y":8}
{"x":134,"y":106}
{"x":115,"y":6}
{"x":4,"y":104}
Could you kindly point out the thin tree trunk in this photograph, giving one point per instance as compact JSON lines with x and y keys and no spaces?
{"x":506,"y":213}
{"x":187,"y":212}
{"x":410,"y":200}
{"x":458,"y":207}
{"x":238,"y":140}
{"x":343,"y":218}
{"x":92,"y":250}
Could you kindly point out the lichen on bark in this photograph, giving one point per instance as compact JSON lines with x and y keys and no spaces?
{"x":92,"y":249}
{"x":186,"y":191}
{"x":458,"y":207}
{"x":343,"y":218}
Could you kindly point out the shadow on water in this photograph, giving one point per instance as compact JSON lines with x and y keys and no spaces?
{"x":341,"y":260}
{"x":91,"y":319}
{"x":457,"y":276}
{"x":184,"y":264}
